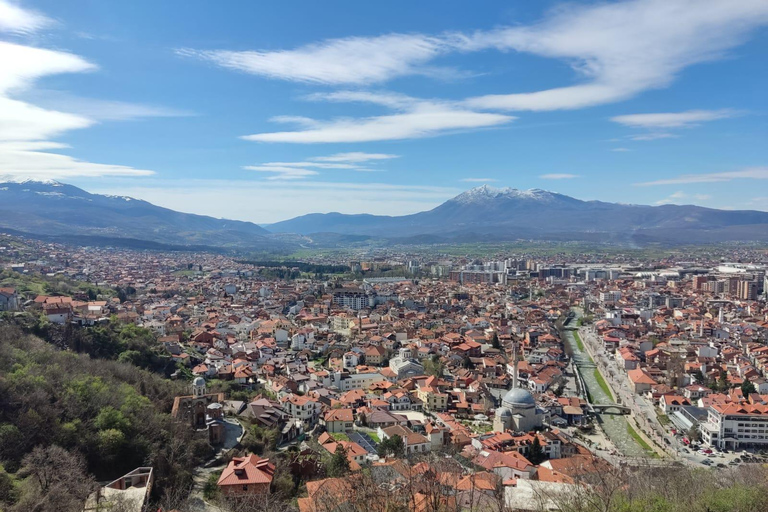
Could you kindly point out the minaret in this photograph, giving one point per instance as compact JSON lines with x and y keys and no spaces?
{"x":514,"y":372}
{"x":720,"y":316}
{"x":701,"y":327}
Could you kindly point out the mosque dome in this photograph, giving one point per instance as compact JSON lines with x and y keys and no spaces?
{"x":503,"y":412}
{"x":518,"y":397}
{"x":198,"y":382}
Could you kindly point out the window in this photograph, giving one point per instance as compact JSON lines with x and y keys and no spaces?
{"x":245,"y":487}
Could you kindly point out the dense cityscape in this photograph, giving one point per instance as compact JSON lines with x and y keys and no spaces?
{"x":351,"y":256}
{"x":533,"y":372}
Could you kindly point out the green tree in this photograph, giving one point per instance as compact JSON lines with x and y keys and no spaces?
{"x":392,"y":446}
{"x":339,"y":464}
{"x":536,"y":455}
{"x":434,"y":366}
{"x":747,"y":388}
{"x":495,"y":343}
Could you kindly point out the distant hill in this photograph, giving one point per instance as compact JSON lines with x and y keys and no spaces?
{"x":52,"y":209}
{"x":486,"y":213}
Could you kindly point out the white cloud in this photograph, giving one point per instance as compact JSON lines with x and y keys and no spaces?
{"x":25,"y":127}
{"x":352,"y":60}
{"x":282,"y":172}
{"x":272,"y":201}
{"x":14,"y":19}
{"x":479,"y":180}
{"x":558,"y":176}
{"x":415,"y":118}
{"x":32,"y":159}
{"x":653,"y":136}
{"x":622,"y":48}
{"x":673,"y":119}
{"x":620,"y":150}
{"x":354,"y":156}
{"x":675,"y":198}
{"x":750,"y":173}
{"x":338,"y":161}
{"x":618,"y":49}
{"x":97,"y":109}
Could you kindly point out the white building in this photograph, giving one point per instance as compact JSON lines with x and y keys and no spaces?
{"x":736,"y":426}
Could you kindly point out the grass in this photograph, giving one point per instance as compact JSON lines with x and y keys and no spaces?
{"x":340,"y":436}
{"x":578,"y":341}
{"x":663,"y":418}
{"x":374,"y":436}
{"x":603,"y":385}
{"x":639,"y":440}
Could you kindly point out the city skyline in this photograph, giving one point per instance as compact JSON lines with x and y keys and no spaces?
{"x":266,"y":112}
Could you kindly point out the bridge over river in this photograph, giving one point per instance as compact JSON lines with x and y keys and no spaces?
{"x":610,"y":414}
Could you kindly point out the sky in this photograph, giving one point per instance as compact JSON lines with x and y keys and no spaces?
{"x":263,"y":111}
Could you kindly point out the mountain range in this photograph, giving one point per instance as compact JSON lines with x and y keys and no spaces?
{"x":486,"y":213}
{"x":57,"y":210}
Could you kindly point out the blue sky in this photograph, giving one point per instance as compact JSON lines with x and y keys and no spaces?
{"x":265,"y":110}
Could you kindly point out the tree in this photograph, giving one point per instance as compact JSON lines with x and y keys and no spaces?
{"x":339,"y":464}
{"x":536,"y":455}
{"x":747,"y":388}
{"x":693,"y":434}
{"x":495,"y":341}
{"x":393,"y":446}
{"x":434,"y":366}
{"x":55,"y":480}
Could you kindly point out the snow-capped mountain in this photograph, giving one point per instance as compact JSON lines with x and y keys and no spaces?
{"x":489,"y":213}
{"x":485,"y":193}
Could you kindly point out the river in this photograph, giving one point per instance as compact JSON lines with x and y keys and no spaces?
{"x":614,"y":425}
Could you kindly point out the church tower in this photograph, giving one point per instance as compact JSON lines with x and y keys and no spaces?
{"x":198,"y":387}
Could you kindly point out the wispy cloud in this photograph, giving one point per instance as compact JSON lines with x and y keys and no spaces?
{"x":666,"y":120}
{"x":16,"y":20}
{"x":351,"y":60}
{"x":479,"y":180}
{"x":676,"y":197}
{"x":620,"y":150}
{"x":558,"y":176}
{"x":653,"y":136}
{"x":26,"y":128}
{"x":414,"y":118}
{"x":623,"y":48}
{"x":98,"y":109}
{"x":305,"y":168}
{"x":354,"y":156}
{"x":751,"y":173}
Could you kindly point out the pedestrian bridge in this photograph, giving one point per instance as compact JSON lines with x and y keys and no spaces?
{"x":611,"y":408}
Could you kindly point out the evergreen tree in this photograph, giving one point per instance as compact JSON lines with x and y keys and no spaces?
{"x":339,"y":464}
{"x":536,"y":455}
{"x":747,"y":388}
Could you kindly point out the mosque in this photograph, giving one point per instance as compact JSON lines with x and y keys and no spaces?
{"x":518,"y":410}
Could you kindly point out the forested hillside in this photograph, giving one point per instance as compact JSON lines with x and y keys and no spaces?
{"x":92,"y":419}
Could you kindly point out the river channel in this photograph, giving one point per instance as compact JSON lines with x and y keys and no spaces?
{"x":614,"y":425}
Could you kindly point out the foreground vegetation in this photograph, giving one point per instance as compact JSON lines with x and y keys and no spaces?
{"x":92,"y":419}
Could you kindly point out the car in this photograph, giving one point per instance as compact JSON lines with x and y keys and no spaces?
{"x":707,"y":451}
{"x":733,"y":463}
{"x":707,"y":462}
{"x":737,"y":460}
{"x":720,"y":465}
{"x":686,"y":450}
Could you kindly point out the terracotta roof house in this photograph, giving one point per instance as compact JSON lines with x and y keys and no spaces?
{"x":246,"y":476}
